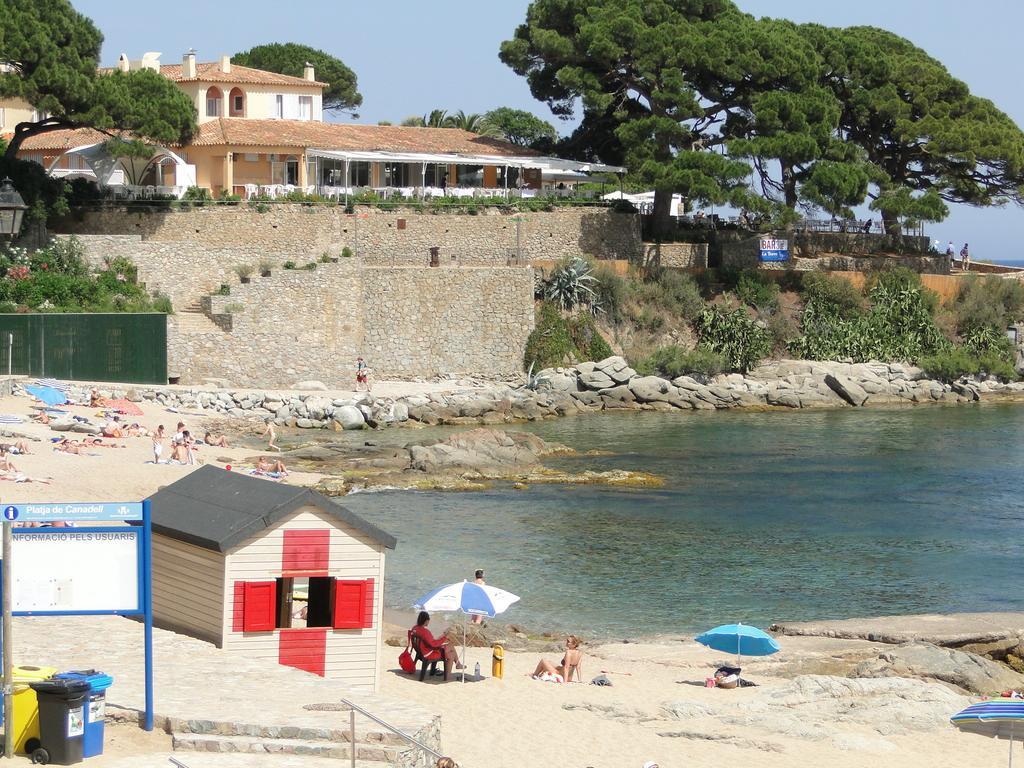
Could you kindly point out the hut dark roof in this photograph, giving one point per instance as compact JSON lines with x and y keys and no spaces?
{"x":215,"y":509}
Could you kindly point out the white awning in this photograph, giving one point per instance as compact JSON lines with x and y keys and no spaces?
{"x":522,"y":161}
{"x":116,"y":171}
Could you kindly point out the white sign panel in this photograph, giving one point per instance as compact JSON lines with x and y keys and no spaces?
{"x":75,"y":569}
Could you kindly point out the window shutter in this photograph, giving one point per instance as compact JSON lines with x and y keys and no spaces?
{"x":350,"y":604}
{"x":260,"y":606}
{"x":368,"y":605}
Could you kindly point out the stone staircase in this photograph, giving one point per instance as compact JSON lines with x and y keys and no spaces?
{"x":193,"y":319}
{"x":375,"y":747}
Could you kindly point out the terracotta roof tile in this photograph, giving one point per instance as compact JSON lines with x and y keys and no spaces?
{"x":209,"y":72}
{"x":242,"y":132}
{"x":366,"y":138}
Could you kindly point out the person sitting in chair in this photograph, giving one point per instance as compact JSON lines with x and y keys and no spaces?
{"x":727,"y":677}
{"x":433,"y":648}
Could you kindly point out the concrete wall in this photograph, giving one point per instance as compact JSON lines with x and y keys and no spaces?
{"x":380,"y":236}
{"x":675,"y":255}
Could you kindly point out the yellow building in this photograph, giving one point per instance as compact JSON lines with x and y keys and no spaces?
{"x":263,"y":133}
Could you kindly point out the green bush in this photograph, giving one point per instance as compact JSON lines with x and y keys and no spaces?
{"x":988,"y":302}
{"x":672,"y":361}
{"x":557,"y":341}
{"x":162,"y":303}
{"x":549,"y":344}
{"x":956,"y":362}
{"x":610,"y":292}
{"x":672,"y":291}
{"x":741,"y":341}
{"x":346,"y":252}
{"x":288,"y":265}
{"x":589,"y":343}
{"x":758,"y":291}
{"x":836,"y":292}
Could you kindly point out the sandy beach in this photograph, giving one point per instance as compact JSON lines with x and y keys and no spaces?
{"x":657,"y":707}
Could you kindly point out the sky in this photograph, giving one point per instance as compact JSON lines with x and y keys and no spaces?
{"x":411,"y":57}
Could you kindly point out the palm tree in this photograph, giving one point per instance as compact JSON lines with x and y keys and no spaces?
{"x":474,"y":123}
{"x":438,"y":118}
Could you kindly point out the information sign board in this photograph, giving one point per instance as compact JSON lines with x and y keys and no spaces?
{"x":773,"y":249}
{"x":80,"y":570}
{"x":91,"y":511}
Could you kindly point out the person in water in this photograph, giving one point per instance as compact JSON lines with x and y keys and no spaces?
{"x":570,"y":663}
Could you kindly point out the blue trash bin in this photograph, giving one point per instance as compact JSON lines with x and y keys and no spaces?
{"x":95,"y":710}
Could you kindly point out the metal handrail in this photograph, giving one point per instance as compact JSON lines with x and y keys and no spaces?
{"x":177,"y":763}
{"x":353,"y":708}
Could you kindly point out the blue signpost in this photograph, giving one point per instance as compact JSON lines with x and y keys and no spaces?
{"x":774,"y":249}
{"x":141,"y":604}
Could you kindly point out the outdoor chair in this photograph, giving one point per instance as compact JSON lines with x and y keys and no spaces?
{"x":416,"y":642}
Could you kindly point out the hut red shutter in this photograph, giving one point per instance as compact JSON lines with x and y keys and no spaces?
{"x":259,"y":606}
{"x":350,"y":604}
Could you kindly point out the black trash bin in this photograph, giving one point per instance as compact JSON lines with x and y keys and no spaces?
{"x":61,"y":721}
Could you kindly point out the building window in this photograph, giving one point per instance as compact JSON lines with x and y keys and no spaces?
{"x":305,"y":107}
{"x":279,"y":106}
{"x":359,"y":173}
{"x":302,"y":602}
{"x":236,"y":103}
{"x":469,"y":175}
{"x":513,"y":177}
{"x":214,"y":97}
{"x":396,"y":174}
{"x":437,"y":174}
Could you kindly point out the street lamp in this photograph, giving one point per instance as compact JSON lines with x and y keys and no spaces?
{"x":12,"y":209}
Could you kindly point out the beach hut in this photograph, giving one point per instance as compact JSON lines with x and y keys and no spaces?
{"x":270,"y":571}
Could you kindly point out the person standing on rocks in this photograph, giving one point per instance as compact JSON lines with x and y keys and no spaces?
{"x":269,"y":431}
{"x":362,"y":375}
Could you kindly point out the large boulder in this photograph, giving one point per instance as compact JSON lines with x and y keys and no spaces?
{"x":349,"y":417}
{"x":650,"y":389}
{"x":557,"y":380}
{"x":318,"y":407}
{"x":847,"y":388}
{"x":595,"y":380}
{"x":486,"y":451}
{"x":616,"y":368}
{"x":923,"y":660}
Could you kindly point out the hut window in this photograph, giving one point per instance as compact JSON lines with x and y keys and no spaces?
{"x":305,"y":602}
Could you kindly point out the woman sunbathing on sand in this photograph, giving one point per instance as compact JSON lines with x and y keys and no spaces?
{"x":570,"y":664}
{"x":18,"y":477}
{"x":97,"y":442}
{"x":18,"y":447}
{"x":216,"y":442}
{"x":268,"y":465}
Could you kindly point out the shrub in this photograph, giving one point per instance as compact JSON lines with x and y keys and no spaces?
{"x":672,"y":361}
{"x":649,"y":321}
{"x":589,"y":343}
{"x":672,"y":291}
{"x":288,"y":265}
{"x":988,"y":302}
{"x":324,"y":258}
{"x":196,"y":195}
{"x":836,"y":292}
{"x":224,"y":290}
{"x":162,"y":303}
{"x":310,"y":266}
{"x":571,"y":285}
{"x":549,"y":344}
{"x":346,"y":252}
{"x":741,"y":341}
{"x":952,"y":364}
{"x":757,"y":291}
{"x":243,"y":270}
{"x":266,"y":265}
{"x":610,"y":292}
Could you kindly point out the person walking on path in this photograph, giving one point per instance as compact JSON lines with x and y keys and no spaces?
{"x":479,"y":580}
{"x":362,"y":375}
{"x":965,"y":259}
{"x":272,"y":435}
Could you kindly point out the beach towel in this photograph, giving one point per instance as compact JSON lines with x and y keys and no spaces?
{"x":261,"y":473}
{"x":547,"y":677}
{"x":120,"y":405}
{"x":601,"y":680}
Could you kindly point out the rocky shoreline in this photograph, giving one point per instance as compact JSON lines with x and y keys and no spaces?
{"x":607,"y":385}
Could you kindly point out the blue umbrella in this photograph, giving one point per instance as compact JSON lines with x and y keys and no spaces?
{"x":992,"y":718}
{"x":47,"y":395}
{"x":739,"y":639}
{"x":470,"y":598}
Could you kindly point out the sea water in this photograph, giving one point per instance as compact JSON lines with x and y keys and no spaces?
{"x":764,"y":517}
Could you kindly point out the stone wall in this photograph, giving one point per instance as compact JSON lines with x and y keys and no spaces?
{"x":390,"y":236}
{"x":405,"y":321}
{"x":745,"y":254}
{"x":675,"y":255}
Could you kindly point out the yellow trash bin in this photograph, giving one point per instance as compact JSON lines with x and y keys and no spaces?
{"x":26,"y":706}
{"x":498,"y":662}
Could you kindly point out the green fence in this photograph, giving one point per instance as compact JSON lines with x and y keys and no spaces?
{"x":131,"y":348}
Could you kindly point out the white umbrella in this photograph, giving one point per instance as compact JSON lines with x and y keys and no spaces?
{"x":470,"y":598}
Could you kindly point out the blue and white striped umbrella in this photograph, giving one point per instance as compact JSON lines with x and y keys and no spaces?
{"x":468,"y":597}
{"x":63,"y":386}
{"x":996,"y":718}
